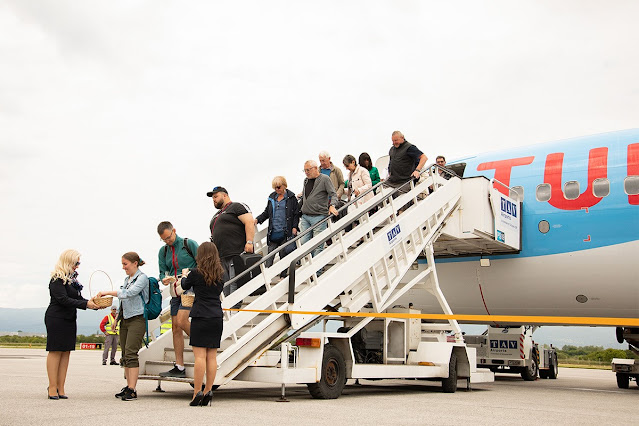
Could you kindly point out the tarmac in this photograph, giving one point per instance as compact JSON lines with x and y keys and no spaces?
{"x":578,"y":396}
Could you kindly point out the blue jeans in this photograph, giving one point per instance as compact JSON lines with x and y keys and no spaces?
{"x":308,"y":221}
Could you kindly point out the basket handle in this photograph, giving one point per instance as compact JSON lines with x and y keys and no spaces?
{"x":91,"y":277}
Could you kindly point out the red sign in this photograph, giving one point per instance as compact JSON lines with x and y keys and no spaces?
{"x":90,"y":345}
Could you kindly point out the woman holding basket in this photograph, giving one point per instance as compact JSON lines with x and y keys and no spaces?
{"x":206,"y":319}
{"x":132,"y":295}
{"x":60,"y":320}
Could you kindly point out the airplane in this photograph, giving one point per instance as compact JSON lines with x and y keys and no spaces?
{"x":579,"y":237}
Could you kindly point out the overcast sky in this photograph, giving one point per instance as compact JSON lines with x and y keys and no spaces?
{"x":117,"y":115}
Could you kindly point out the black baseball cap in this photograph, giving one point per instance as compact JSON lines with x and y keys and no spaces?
{"x":216,"y":190}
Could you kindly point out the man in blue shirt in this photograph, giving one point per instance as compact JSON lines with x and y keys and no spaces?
{"x":177,"y":254}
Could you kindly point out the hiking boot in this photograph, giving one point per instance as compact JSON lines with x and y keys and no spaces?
{"x":122,"y":392}
{"x":129,"y":395}
{"x":174,"y":372}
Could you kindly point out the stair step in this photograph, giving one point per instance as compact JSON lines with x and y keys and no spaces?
{"x":166,"y":379}
{"x":154,"y":368}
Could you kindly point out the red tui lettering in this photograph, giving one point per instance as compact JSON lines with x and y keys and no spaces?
{"x":633,"y":169}
{"x":597,"y":169}
{"x":503,"y":168}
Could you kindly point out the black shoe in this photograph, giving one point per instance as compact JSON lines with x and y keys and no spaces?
{"x":208,"y":397}
{"x":114,"y":363}
{"x":122,"y":392}
{"x":103,"y":362}
{"x":130,"y":395}
{"x":174,"y":372}
{"x":198,"y":398}
{"x":52,"y":397}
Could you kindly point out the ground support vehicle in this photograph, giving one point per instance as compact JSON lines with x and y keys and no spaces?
{"x":513,"y":350}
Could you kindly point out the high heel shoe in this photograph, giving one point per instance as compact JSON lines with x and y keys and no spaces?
{"x":62,"y":396}
{"x":207,"y":399}
{"x":51,"y":397}
{"x":198,"y":398}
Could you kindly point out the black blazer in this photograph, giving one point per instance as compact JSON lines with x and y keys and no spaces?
{"x":207,"y":302}
{"x":65,"y":300}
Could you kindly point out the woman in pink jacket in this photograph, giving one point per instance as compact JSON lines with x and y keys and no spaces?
{"x":359,"y":180}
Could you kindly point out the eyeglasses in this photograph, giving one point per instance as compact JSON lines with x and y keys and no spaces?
{"x":169,"y":237}
{"x":77,"y":263}
{"x":277,"y":187}
{"x":309,"y":169}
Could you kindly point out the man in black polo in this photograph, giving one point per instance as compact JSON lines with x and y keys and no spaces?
{"x":406,"y":162}
{"x":232,"y":231}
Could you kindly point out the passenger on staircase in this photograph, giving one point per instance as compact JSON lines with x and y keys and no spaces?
{"x":282,"y":212}
{"x":366,"y":162}
{"x":317,"y":193}
{"x":132,"y":323}
{"x":334,"y":173}
{"x":232,"y":231}
{"x":176,"y":254}
{"x":359,"y":180}
{"x":406,"y":163}
{"x":206,"y":319}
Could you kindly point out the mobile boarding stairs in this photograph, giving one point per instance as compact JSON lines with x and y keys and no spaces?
{"x":364,"y":270}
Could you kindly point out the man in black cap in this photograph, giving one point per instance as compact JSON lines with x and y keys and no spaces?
{"x":232,"y":230}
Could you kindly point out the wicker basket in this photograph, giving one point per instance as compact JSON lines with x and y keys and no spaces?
{"x":102,"y":302}
{"x":187,"y":299}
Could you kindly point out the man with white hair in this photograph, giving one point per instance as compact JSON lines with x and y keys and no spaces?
{"x":317,"y":193}
{"x":334,"y":173}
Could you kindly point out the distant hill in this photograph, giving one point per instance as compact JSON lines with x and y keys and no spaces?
{"x":32,"y":321}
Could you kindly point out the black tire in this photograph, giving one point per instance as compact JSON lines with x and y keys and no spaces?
{"x":333,"y":377}
{"x":530,"y":373}
{"x":543,"y":374}
{"x":554,"y":367}
{"x":449,"y":385}
{"x":623,"y":380}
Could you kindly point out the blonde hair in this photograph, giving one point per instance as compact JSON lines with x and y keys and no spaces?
{"x":279,"y":180}
{"x":64,"y":268}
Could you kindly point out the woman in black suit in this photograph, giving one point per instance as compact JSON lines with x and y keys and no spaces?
{"x":206,"y":318}
{"x":60,"y":320}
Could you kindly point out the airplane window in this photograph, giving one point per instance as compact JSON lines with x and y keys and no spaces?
{"x":571,"y":190}
{"x":601,"y":187}
{"x":517,"y":193}
{"x":631,"y":185}
{"x":543,"y":192}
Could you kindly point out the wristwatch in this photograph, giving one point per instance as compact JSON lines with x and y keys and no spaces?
{"x":249,"y":242}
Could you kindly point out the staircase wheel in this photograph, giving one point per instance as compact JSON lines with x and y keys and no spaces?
{"x":333,"y":377}
{"x":449,"y":384}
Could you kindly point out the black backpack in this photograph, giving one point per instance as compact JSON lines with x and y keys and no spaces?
{"x":186,"y":247}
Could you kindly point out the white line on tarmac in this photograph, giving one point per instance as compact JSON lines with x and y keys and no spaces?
{"x":595,"y":390}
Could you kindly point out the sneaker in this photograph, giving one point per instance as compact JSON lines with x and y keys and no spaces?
{"x":122,"y":392}
{"x":129,"y":395}
{"x":174,"y":372}
{"x":103,"y":362}
{"x":114,"y":363}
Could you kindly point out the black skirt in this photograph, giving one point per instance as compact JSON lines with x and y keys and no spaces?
{"x":61,"y":333}
{"x":206,"y":332}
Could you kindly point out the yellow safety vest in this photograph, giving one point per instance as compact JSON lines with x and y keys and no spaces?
{"x":166,"y":326}
{"x":109,"y":327}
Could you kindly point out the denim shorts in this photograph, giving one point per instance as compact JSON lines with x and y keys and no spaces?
{"x":176,"y":305}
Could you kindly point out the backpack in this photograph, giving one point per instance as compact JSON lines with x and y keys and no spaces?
{"x":186,"y":247}
{"x":153,"y":308}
